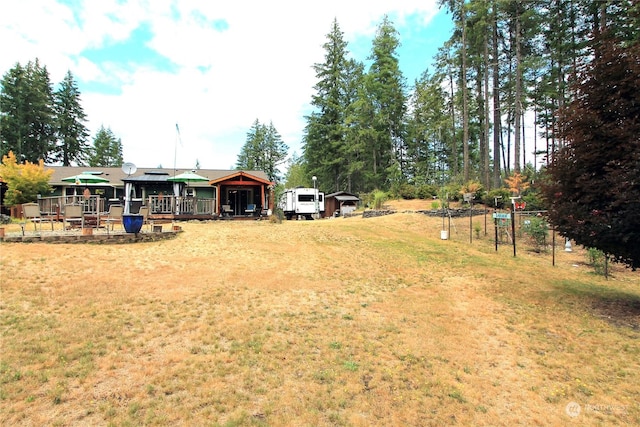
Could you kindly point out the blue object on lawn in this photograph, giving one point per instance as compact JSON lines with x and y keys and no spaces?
{"x":132,"y":223}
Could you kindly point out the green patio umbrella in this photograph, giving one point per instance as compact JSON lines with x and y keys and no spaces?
{"x":188,"y":177}
{"x":185,"y":178}
{"x":85,"y":178}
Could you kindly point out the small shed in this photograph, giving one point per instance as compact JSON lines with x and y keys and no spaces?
{"x":340,"y":203}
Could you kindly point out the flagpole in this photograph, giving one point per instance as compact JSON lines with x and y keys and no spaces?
{"x":175,"y":155}
{"x":175,"y":150}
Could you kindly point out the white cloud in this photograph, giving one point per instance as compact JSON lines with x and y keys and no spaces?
{"x":234,"y":62}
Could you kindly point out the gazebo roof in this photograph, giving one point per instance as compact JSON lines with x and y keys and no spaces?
{"x":247,"y":176}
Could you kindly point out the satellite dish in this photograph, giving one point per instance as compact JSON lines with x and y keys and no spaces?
{"x":129,"y":168}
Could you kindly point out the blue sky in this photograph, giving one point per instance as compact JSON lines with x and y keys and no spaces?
{"x":212,"y":67}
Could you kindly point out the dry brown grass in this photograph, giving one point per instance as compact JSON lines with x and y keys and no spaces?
{"x":334,"y":322}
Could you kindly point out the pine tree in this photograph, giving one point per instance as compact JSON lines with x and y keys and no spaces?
{"x":275,"y":153}
{"x":428,"y":128}
{"x":296,"y":175}
{"x":71,"y":131}
{"x":355,"y":134}
{"x":251,"y":153}
{"x":386,"y":87}
{"x":324,"y":139}
{"x":26,"y":113}
{"x":264,"y":150}
{"x":107,"y":149}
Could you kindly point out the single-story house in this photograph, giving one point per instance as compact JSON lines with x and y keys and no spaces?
{"x":155,"y":188}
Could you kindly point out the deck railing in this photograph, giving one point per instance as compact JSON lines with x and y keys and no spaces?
{"x":93,"y":205}
{"x":181,"y":205}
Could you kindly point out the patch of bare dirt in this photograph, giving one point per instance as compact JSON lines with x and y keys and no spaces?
{"x":619,"y":312}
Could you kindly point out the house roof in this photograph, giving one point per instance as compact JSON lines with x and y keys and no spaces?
{"x":241,"y":175}
{"x":116,"y":176}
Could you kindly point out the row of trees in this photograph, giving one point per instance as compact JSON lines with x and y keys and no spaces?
{"x":38,"y":123}
{"x":572,"y":65}
{"x":508,"y":63}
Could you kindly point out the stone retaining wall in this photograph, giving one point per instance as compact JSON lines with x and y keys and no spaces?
{"x":454,"y":213}
{"x":118,"y":238}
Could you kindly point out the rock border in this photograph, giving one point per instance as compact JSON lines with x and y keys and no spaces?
{"x":117,"y":238}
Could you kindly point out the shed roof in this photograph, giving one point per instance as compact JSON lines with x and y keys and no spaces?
{"x":347,"y":198}
{"x":343,"y":196}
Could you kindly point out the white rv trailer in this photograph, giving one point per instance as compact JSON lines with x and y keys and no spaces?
{"x":301,"y":201}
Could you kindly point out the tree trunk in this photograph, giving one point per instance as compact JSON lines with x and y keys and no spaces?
{"x":497,"y":127}
{"x":454,"y":145}
{"x":465,"y":95}
{"x":518,"y":94}
{"x":486,"y":179}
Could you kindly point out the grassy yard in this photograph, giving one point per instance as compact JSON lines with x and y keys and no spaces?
{"x":354,"y":322}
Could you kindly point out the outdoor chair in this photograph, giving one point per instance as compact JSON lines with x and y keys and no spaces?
{"x":73,"y":216}
{"x":251,"y":209}
{"x":31,"y":212}
{"x":114,"y":215}
{"x":226,"y":210}
{"x":144,"y":211}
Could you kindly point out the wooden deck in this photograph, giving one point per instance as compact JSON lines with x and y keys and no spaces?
{"x":186,"y":209}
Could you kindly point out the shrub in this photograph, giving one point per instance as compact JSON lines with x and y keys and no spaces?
{"x":534,"y":201}
{"x":538,"y":230}
{"x":473,"y":187}
{"x":452,"y":190}
{"x":379,"y":198}
{"x":277,"y":216}
{"x":597,"y":260}
{"x":477,"y":228}
{"x":489,"y":198}
{"x":406,"y":191}
{"x":426,"y":191}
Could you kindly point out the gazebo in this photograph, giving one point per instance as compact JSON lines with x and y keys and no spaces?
{"x":239,"y":190}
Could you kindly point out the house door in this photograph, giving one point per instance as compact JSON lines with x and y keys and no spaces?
{"x":238,"y":199}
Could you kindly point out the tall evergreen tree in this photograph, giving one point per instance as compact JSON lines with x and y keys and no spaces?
{"x":386,"y":87}
{"x":264,"y":150}
{"x":445,"y":62}
{"x":107,"y":149}
{"x":324,"y":140}
{"x":275,"y":153}
{"x":27,"y":124}
{"x":496,"y":104}
{"x":251,"y":153}
{"x":458,"y":8}
{"x":428,"y":128}
{"x":296,"y":175}
{"x":71,"y":132}
{"x":355,"y":138}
